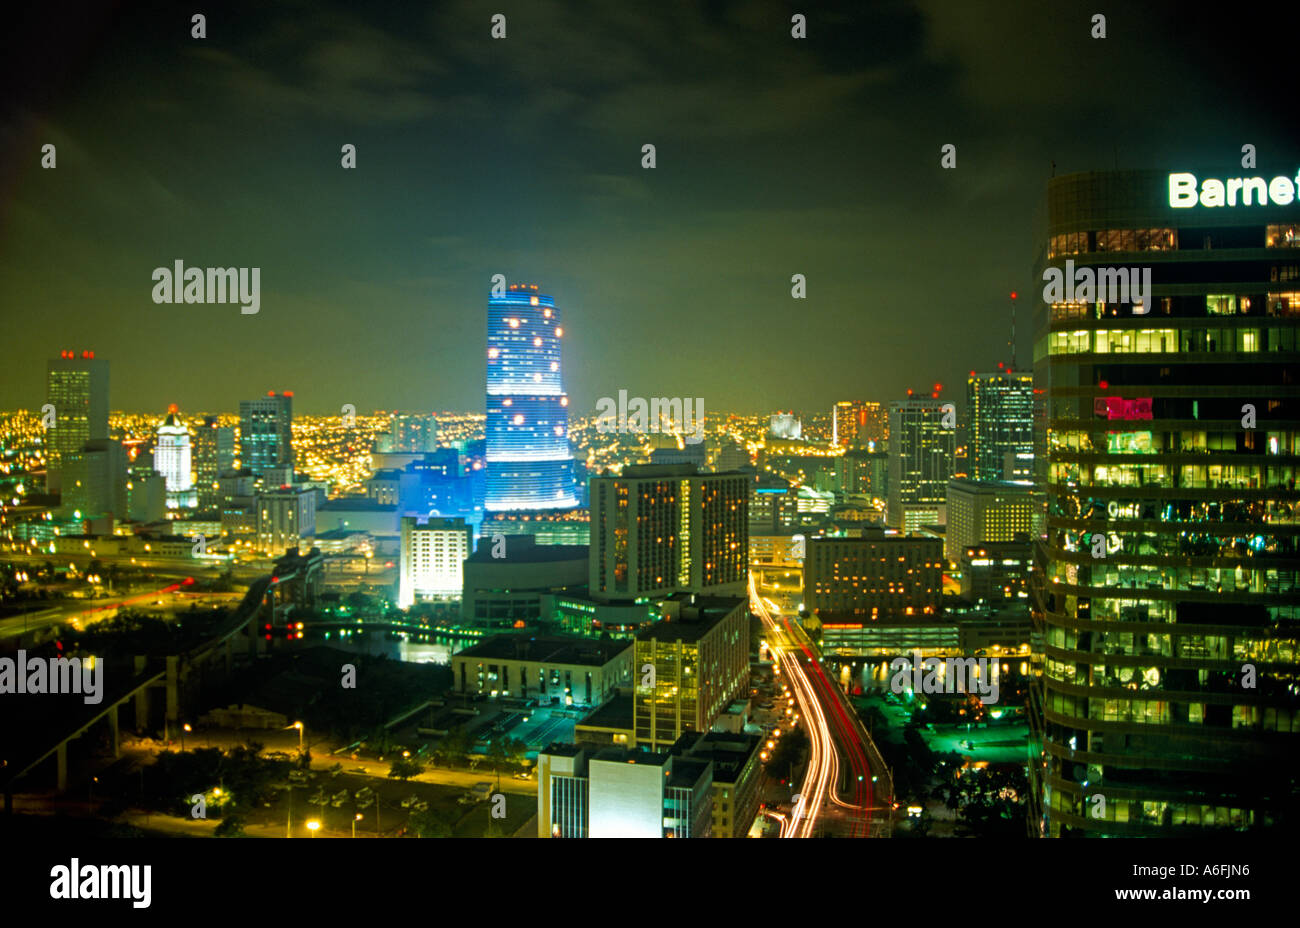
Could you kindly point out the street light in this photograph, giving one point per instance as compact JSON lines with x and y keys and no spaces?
{"x":313,"y":826}
{"x":184,"y":729}
{"x":356,"y":818}
{"x":298,"y":725}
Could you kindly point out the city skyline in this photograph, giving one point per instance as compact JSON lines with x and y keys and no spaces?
{"x":711,"y":420}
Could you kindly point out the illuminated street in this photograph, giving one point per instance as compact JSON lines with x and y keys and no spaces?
{"x":843,"y":791}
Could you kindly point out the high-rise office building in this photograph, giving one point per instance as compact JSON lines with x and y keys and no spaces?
{"x":285,"y":517}
{"x":862,"y":473}
{"x":921,"y":451}
{"x":214,"y":454}
{"x":1001,"y":409}
{"x":146,"y":490}
{"x":854,"y":423}
{"x":266,"y":432}
{"x":529,"y":461}
{"x":773,"y":505}
{"x":785,"y":425}
{"x":1166,"y":588}
{"x":661,"y":529}
{"x":987,"y":511}
{"x":171,"y":458}
{"x":77,"y":387}
{"x":408,"y":433}
{"x":94,"y":484}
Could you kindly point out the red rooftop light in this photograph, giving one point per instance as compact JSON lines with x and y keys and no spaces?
{"x":1105,"y":385}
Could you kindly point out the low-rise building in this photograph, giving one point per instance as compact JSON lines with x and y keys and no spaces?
{"x":621,"y":793}
{"x":507,"y":577}
{"x":568,"y":670}
{"x":689,"y":666}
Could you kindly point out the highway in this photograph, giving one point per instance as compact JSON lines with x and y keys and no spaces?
{"x":847,"y":789}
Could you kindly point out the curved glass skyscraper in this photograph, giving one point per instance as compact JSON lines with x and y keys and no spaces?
{"x":1167,"y":588}
{"x":529,"y":463}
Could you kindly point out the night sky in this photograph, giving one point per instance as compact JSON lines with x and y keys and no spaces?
{"x":522,"y":156}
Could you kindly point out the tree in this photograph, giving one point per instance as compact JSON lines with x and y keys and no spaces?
{"x":430,"y":823}
{"x":404,"y":768}
{"x":991,"y":803}
{"x":498,"y":754}
{"x":380,"y":740}
{"x":518,"y":750}
{"x":455,"y":746}
{"x":232,"y":826}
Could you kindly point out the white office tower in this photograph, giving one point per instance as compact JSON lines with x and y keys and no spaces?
{"x":172,"y":459}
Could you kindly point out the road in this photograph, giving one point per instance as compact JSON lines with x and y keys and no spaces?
{"x":322,"y":758}
{"x":847,"y":789}
{"x":80,"y":613}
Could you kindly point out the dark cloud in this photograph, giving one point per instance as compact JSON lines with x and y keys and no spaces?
{"x":522,"y":157}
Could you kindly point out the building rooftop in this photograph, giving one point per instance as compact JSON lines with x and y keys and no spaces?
{"x":621,"y":755}
{"x":355,"y":504}
{"x":688,"y":770}
{"x":729,"y":752}
{"x":966,"y":483}
{"x":550,"y":649}
{"x":871,"y":532}
{"x":338,"y":534}
{"x":689,"y":617}
{"x":616,"y":713}
{"x":525,"y":549}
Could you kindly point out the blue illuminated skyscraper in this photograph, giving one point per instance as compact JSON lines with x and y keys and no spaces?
{"x":529,"y":462}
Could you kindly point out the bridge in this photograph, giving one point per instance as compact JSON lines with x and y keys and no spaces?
{"x":296,"y":582}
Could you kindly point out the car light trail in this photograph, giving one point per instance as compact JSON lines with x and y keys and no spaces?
{"x":831,"y":726}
